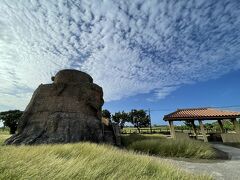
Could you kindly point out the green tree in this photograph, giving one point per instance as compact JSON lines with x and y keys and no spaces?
{"x":139,"y":118}
{"x":11,"y":119}
{"x":106,"y":114}
{"x":209,"y":126}
{"x":228,"y":125}
{"x":120,"y":118}
{"x":188,"y":124}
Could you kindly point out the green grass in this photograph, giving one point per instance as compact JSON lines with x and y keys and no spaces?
{"x":3,"y":136}
{"x":4,"y":131}
{"x":129,"y":139}
{"x":146,"y":129}
{"x":158,"y":129}
{"x":83,"y":161}
{"x":158,"y":145}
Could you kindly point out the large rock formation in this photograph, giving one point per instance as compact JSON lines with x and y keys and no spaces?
{"x":68,"y":110}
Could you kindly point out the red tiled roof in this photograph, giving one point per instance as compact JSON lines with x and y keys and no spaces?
{"x":200,"y":113}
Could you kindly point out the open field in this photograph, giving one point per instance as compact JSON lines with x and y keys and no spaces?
{"x":4,"y":131}
{"x":155,"y":130}
{"x":165,"y":130}
{"x":3,"y":135}
{"x":82,"y":161}
{"x":129,"y":130}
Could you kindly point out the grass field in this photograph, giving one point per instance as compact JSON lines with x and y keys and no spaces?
{"x":162,"y":129}
{"x":154,"y":130}
{"x":3,"y":135}
{"x":82,"y":161}
{"x":159,"y":145}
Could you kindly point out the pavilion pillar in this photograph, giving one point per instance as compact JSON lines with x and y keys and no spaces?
{"x":236,"y":125}
{"x":221,"y":125}
{"x":194,"y":127}
{"x":172,"y":131}
{"x":203,"y":131}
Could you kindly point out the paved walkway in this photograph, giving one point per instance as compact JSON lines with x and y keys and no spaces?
{"x":224,"y":169}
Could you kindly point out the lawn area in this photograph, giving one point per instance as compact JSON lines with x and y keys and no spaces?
{"x":154,"y":130}
{"x":161,"y":146}
{"x":82,"y":161}
{"x":4,"y":131}
{"x":4,"y":135}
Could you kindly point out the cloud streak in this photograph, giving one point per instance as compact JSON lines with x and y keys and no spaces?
{"x":129,"y":47}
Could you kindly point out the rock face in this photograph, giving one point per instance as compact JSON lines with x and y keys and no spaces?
{"x":68,"y":110}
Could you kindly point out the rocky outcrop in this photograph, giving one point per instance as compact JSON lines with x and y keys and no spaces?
{"x":68,"y":110}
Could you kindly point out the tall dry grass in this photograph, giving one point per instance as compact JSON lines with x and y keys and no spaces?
{"x":83,"y":161}
{"x":158,"y":145}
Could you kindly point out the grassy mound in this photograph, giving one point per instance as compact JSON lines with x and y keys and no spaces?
{"x":83,"y":161}
{"x":170,"y":148}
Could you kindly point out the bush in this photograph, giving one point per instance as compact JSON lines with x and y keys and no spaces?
{"x":174,"y":148}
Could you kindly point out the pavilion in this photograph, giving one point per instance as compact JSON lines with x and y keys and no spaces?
{"x":205,"y":114}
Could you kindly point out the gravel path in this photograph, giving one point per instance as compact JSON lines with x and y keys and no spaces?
{"x":224,"y":169}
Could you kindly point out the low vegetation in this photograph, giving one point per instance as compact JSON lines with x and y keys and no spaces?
{"x":146,"y":130}
{"x":158,"y":145}
{"x":236,"y":145}
{"x":129,"y":139}
{"x":4,"y":134}
{"x":82,"y":161}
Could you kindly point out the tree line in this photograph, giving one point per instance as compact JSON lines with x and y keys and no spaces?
{"x":138,"y":118}
{"x":10,"y":119}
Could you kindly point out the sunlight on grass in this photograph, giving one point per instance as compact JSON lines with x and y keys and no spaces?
{"x":83,"y":161}
{"x":129,"y":139}
{"x":161,"y":146}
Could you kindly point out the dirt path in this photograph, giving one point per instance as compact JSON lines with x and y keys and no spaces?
{"x":227,"y":170}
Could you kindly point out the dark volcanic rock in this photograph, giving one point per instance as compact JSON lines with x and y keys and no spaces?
{"x":69,"y":110}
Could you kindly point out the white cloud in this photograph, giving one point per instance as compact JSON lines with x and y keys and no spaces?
{"x":129,"y":47}
{"x":16,"y":101}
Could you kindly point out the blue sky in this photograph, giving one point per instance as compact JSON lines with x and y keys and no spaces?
{"x":145,"y":54}
{"x":221,"y":93}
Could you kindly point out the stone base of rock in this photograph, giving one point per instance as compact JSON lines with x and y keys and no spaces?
{"x":112,"y":134}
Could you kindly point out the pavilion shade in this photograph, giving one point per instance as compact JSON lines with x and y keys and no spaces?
{"x":200,"y":114}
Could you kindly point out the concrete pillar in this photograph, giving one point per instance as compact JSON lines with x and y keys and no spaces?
{"x":203,"y":131}
{"x":172,"y":131}
{"x":221,"y":125}
{"x":236,"y":125}
{"x":194,"y":128}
